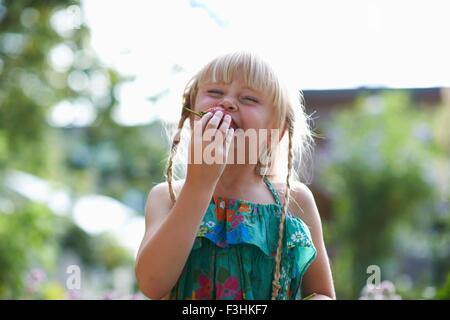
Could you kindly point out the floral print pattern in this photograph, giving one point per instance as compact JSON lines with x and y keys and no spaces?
{"x":229,"y":289}
{"x":205,"y":290}
{"x":299,"y":238}
{"x":233,"y":256}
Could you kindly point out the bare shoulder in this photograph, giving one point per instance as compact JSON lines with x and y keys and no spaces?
{"x":158,"y":200}
{"x":157,"y":207}
{"x":305,"y":199}
{"x":302,"y":193}
{"x":302,"y":202}
{"x":160,"y":191}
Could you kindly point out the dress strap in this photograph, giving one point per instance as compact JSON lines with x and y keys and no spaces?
{"x":272,"y":190}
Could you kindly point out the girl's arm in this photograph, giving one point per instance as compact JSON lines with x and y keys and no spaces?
{"x":318,"y":278}
{"x":170,"y":231}
{"x":169,"y":236}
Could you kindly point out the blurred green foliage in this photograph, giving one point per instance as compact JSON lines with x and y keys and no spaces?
{"x":121,"y":162}
{"x":383,"y":166}
{"x":102,"y":157}
{"x":27,"y":237}
{"x":28,"y":82}
{"x":33,"y":237}
{"x":93,"y":251}
{"x":444,"y":291}
{"x":378,"y":169}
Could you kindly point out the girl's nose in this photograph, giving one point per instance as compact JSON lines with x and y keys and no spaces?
{"x":228,"y":105}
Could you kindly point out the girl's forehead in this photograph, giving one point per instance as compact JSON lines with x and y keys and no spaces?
{"x":245,"y":85}
{"x":222,"y":77}
{"x":223,"y":83}
{"x":242,"y":86}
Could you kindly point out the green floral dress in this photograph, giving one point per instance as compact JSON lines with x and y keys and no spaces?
{"x":233,"y":256}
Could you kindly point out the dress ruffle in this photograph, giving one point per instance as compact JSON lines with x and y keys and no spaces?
{"x":229,"y":222}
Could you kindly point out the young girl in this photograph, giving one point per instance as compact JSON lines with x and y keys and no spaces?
{"x":233,"y":230}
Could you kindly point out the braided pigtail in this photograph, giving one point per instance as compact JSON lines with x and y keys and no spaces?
{"x":173,"y":151}
{"x":276,"y":279}
{"x":188,"y":96}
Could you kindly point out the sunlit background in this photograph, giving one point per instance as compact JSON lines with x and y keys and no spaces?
{"x":85,"y":88}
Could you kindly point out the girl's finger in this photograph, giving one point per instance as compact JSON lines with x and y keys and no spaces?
{"x":204,"y":120}
{"x":225,"y":125}
{"x":199,"y":125}
{"x":229,"y":139}
{"x":213,"y":123}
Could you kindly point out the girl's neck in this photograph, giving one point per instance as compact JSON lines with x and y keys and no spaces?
{"x":234,"y":177}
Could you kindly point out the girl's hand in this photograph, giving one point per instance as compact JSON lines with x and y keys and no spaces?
{"x":209,"y":133}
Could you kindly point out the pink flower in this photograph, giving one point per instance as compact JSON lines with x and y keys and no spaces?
{"x":229,"y":289}
{"x":235,"y":219}
{"x":204,"y":292}
{"x":34,"y":279}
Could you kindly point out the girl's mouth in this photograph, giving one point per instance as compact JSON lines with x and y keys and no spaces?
{"x":213,"y":110}
{"x":233,"y":125}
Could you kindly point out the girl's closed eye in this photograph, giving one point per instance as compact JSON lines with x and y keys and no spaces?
{"x":251,"y":99}
{"x":245,"y":98}
{"x":215,"y":92}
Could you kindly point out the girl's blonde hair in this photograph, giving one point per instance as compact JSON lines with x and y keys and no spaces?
{"x":290,"y":115}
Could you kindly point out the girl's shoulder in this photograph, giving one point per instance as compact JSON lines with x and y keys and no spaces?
{"x":298,"y":189}
{"x":301,"y":197}
{"x":161,"y":190}
{"x":158,"y":204}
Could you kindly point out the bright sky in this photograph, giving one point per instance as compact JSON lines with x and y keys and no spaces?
{"x":315,"y":44}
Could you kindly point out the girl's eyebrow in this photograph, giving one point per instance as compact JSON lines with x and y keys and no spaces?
{"x":212,"y":84}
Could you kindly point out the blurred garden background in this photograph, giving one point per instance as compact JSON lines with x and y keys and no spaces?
{"x":87,"y":87}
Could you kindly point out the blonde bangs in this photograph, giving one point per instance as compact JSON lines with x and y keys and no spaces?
{"x":258,"y":75}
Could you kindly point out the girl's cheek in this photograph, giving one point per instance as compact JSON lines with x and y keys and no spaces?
{"x":205,"y":102}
